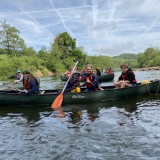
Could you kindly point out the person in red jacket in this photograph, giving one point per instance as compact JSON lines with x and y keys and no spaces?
{"x":90,"y":79}
{"x":126,"y":79}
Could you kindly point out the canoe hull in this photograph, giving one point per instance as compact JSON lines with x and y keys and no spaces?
{"x":106,"y":77}
{"x":8,"y":98}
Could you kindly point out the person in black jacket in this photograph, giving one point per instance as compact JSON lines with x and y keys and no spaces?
{"x":126,"y":79}
{"x":74,"y":80}
{"x":98,"y":72}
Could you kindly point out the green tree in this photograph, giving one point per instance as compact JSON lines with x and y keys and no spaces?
{"x":28,"y":51}
{"x":54,"y":62}
{"x":100,"y":62}
{"x":9,"y":66}
{"x":149,"y":58}
{"x":10,"y":39}
{"x":64,"y":50}
{"x":43,"y":54}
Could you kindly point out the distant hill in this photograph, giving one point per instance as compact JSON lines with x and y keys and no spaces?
{"x":127,"y":56}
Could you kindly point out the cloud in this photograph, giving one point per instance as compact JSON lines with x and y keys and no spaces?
{"x":99,"y":26}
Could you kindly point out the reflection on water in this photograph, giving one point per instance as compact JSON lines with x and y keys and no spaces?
{"x":120,"y":129}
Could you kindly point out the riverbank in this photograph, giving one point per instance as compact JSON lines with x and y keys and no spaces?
{"x":149,"y":68}
{"x":39,"y":74}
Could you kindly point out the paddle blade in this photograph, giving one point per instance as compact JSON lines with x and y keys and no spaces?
{"x":57,"y":102}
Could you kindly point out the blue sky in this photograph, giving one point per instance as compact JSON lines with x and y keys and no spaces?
{"x":101,"y":27}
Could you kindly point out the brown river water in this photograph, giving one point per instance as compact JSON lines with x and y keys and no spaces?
{"x":118,"y":130}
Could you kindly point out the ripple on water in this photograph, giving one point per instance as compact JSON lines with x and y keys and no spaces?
{"x":98,"y":131}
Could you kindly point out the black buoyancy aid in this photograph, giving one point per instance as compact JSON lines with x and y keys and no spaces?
{"x":74,"y":80}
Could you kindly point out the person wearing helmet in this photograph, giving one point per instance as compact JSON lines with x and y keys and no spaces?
{"x":19,"y":77}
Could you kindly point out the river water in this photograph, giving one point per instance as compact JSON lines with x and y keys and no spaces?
{"x":118,"y":130}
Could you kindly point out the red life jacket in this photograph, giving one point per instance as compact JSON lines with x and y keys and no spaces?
{"x":89,"y":85}
{"x":125,"y":76}
{"x":26,"y":85}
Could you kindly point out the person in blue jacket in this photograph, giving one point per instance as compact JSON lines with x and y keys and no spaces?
{"x":30,"y":83}
{"x":19,"y":77}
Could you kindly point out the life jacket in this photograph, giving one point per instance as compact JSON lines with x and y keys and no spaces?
{"x":74,"y":81}
{"x":134,"y":80}
{"x":109,"y":71}
{"x":126,"y":76}
{"x":26,"y":85}
{"x":89,"y":85}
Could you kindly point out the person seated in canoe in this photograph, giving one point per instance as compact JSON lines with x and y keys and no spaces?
{"x":83,"y":71}
{"x":30,"y":83}
{"x":98,"y":72}
{"x":73,"y":84}
{"x":90,"y":80}
{"x":19,"y":76}
{"x":126,"y":79}
{"x":109,"y":71}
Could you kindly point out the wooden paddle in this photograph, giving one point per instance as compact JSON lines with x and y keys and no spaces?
{"x":58,"y":101}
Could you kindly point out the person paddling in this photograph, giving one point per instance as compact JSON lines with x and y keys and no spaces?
{"x":73,"y":84}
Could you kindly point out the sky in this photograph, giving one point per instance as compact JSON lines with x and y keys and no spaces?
{"x":101,"y":27}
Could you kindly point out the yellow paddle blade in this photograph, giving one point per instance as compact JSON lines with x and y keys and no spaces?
{"x":57,"y":102}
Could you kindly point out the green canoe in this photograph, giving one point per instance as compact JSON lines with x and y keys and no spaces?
{"x":8,"y":98}
{"x":102,"y":78}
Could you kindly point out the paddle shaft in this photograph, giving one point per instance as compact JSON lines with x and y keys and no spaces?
{"x":69,"y":77}
{"x":58,"y":101}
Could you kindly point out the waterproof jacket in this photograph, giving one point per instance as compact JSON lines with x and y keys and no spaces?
{"x":32,"y":86}
{"x":73,"y":82}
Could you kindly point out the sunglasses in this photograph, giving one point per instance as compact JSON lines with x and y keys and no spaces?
{"x":25,"y":73}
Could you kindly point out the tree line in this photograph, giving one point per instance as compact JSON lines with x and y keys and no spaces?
{"x":63,"y":52}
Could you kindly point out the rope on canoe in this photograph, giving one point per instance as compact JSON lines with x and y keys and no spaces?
{"x":157,"y":89}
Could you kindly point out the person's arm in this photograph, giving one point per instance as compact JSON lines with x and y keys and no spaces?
{"x":95,"y":81}
{"x":76,"y":79}
{"x":20,"y":80}
{"x":131,"y":76}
